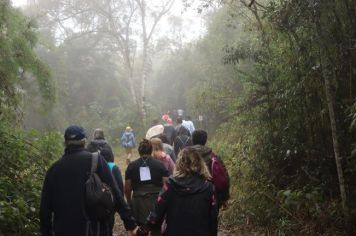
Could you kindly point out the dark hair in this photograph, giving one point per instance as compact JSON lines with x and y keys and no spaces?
{"x":163,"y":137}
{"x":145,"y":147}
{"x":98,"y":134}
{"x":200,"y":137}
{"x":179,"y":120}
{"x":107,"y":154}
{"x":189,"y":118}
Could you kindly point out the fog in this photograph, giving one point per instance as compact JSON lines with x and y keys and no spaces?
{"x":109,"y":60}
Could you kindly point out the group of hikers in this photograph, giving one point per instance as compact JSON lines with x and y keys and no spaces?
{"x":175,"y":187}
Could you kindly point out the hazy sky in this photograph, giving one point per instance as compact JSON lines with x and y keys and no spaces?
{"x":193,"y":24}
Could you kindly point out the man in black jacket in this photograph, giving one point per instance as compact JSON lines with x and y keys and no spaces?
{"x":62,"y":211}
{"x":199,"y":138}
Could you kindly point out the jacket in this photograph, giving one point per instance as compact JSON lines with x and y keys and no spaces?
{"x":170,"y":151}
{"x":205,"y":153}
{"x":189,"y":206}
{"x":63,"y":196}
{"x":98,"y":144}
{"x":128,"y":140}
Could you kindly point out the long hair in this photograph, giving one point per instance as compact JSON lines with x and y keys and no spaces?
{"x":156,"y":144}
{"x":190,"y":162}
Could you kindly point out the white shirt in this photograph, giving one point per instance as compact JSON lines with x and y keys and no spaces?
{"x":189,"y":125}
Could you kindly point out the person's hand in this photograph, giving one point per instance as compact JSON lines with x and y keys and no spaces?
{"x":132,"y":232}
{"x":224,"y":205}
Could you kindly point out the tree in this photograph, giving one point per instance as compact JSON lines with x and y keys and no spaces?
{"x":19,"y":62}
{"x":125,"y":26}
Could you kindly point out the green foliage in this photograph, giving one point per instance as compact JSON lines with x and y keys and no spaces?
{"x":275,"y":132}
{"x":24,"y":160}
{"x":17,"y":41}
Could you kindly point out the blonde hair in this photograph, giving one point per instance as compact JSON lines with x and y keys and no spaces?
{"x":156,"y":144}
{"x":190,"y":162}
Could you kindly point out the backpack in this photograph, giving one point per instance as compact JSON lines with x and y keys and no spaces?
{"x":184,"y":144}
{"x":99,"y":199}
{"x":218,"y":174}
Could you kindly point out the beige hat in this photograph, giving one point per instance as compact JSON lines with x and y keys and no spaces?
{"x":154,"y":131}
{"x":128,"y":128}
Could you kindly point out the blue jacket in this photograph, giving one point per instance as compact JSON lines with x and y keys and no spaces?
{"x":128,"y":140}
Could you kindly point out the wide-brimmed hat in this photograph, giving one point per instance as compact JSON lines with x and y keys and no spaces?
{"x":154,"y":131}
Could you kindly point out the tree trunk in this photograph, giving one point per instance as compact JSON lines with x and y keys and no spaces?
{"x":338,"y":157}
{"x":130,"y":80}
{"x":144,"y":75}
{"x":328,"y":73}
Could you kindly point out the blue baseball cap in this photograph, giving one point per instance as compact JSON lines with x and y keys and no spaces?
{"x":74,"y":132}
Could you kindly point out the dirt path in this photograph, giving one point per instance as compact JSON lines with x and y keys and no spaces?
{"x":119,"y":230}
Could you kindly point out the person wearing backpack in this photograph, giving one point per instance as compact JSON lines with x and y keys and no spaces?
{"x":64,"y":207}
{"x":186,"y":203}
{"x":98,"y":142}
{"x":218,"y":171}
{"x":182,"y":140}
{"x":128,"y":142}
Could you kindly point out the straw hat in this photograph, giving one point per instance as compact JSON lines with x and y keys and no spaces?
{"x":154,"y":131}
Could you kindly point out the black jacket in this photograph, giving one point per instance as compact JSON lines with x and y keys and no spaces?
{"x":189,"y":206}
{"x":98,"y":144}
{"x":205,"y":153}
{"x":170,"y":132}
{"x":63,"y":195}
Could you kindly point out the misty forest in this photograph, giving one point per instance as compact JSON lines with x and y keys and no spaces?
{"x":273,"y":82}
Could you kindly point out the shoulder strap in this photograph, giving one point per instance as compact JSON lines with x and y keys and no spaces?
{"x":186,"y":141}
{"x":94,"y":162}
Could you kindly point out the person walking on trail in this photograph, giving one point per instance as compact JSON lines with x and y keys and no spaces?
{"x":98,"y":142}
{"x":182,"y":140}
{"x":160,"y":155}
{"x":168,"y":148}
{"x":199,"y":139}
{"x":188,"y":123}
{"x":179,"y":123}
{"x":144,"y":179}
{"x":187,"y":201}
{"x":128,"y":142}
{"x":62,"y":208}
{"x":169,"y":130}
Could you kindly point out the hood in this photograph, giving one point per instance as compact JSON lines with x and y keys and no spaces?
{"x":204,"y":151}
{"x":98,"y":142}
{"x":188,"y":185}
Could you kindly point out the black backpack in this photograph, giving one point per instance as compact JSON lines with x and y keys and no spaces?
{"x":99,"y":199}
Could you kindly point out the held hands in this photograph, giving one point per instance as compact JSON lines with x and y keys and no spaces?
{"x":224,"y":206}
{"x":138,"y":231}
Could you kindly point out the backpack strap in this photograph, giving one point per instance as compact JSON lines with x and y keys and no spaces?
{"x":94,"y":162}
